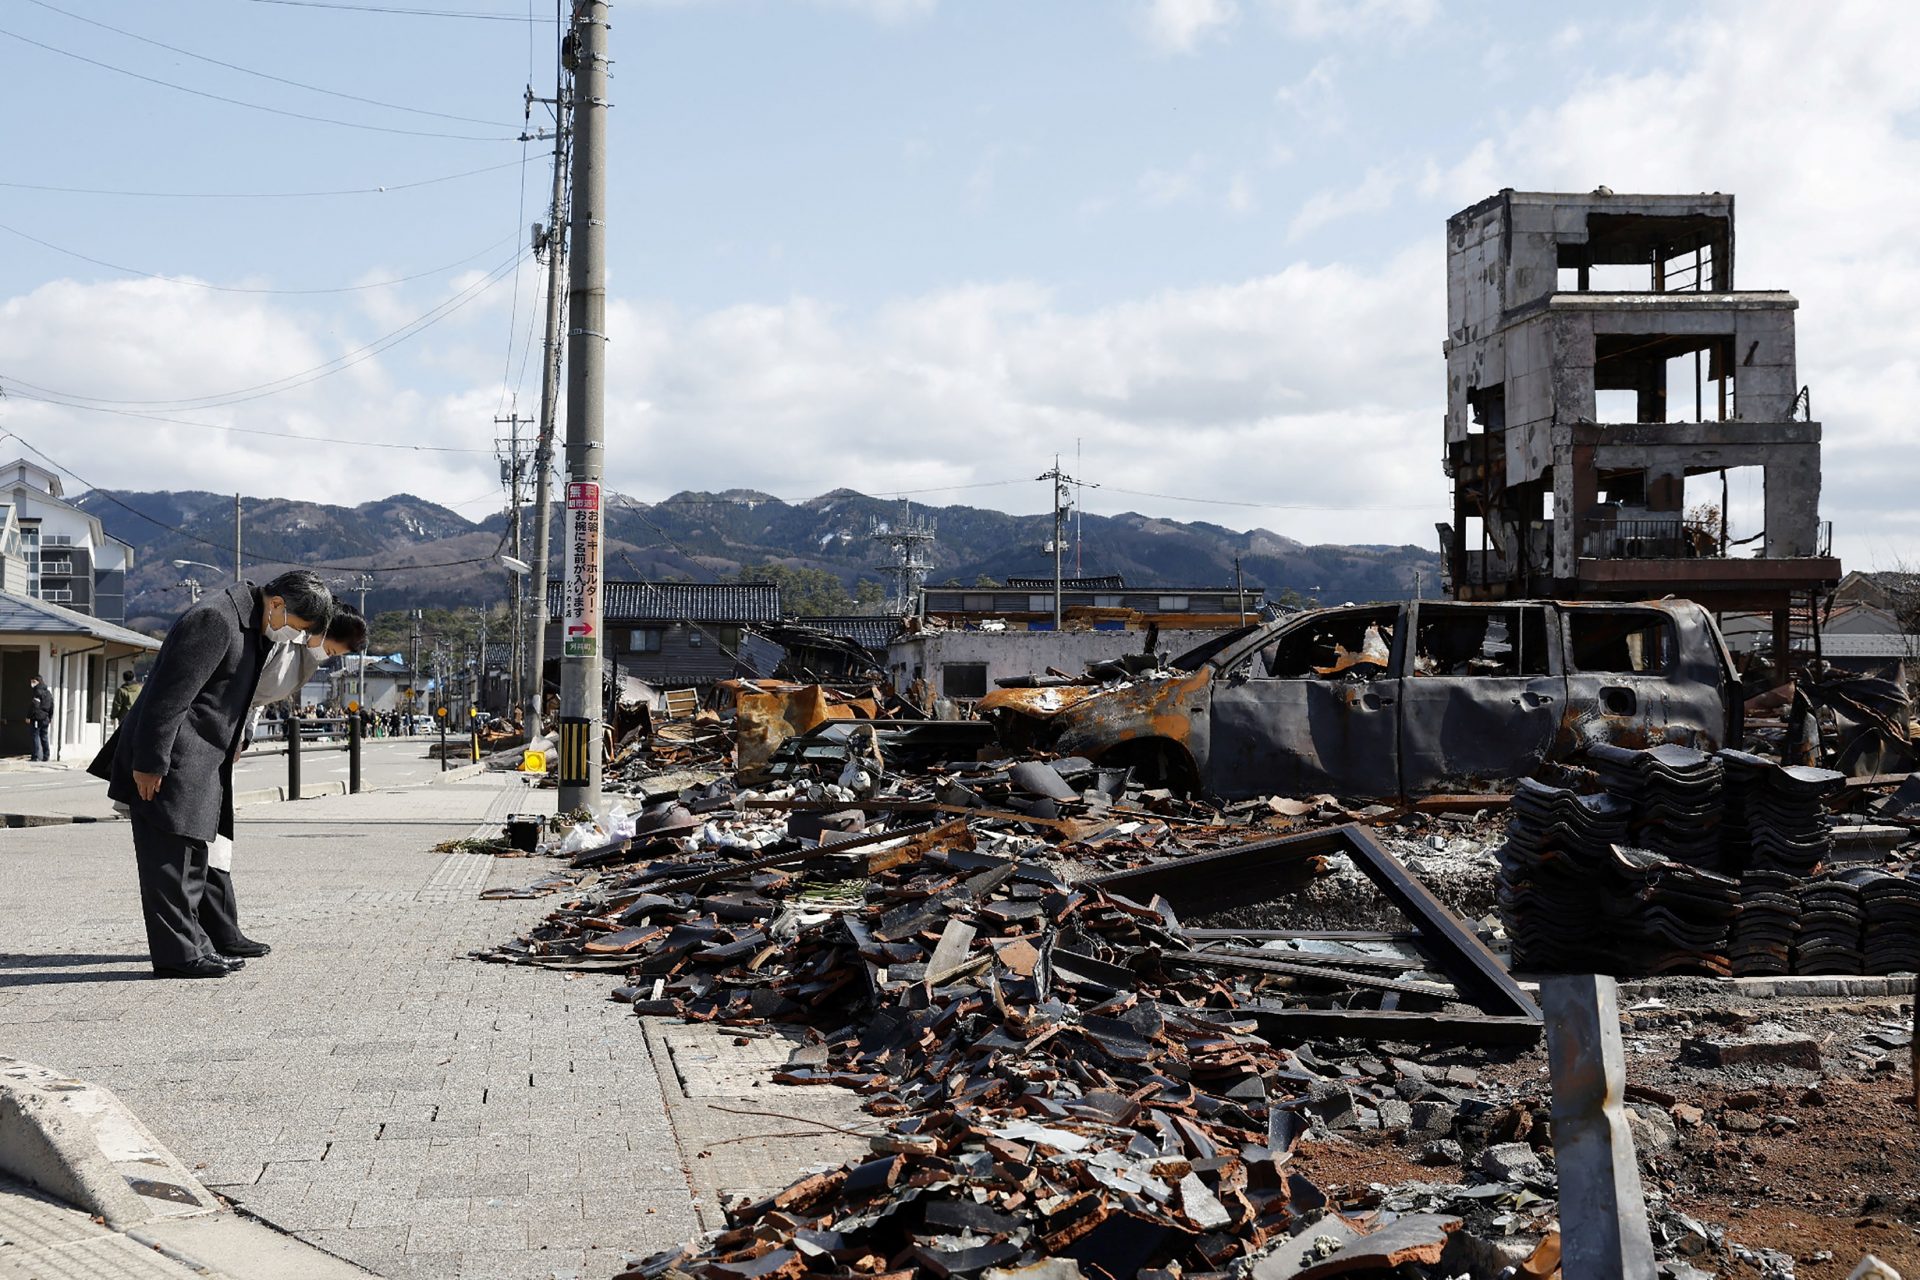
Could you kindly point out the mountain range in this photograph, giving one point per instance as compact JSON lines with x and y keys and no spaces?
{"x":429,"y":556}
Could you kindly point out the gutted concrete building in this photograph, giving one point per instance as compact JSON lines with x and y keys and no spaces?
{"x":1604,"y":376}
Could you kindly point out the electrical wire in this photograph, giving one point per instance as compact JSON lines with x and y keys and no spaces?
{"x":229,"y":288}
{"x":249,"y":71}
{"x":263,"y":195}
{"x":255,"y":431}
{"x":114,"y":498}
{"x":403,"y":12}
{"x":338,"y":364}
{"x":242,"y":102}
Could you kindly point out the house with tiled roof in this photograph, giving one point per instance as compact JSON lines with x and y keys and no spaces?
{"x":78,"y":657}
{"x":677,"y":635}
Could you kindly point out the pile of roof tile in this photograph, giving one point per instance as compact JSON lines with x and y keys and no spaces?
{"x":1833,"y":922}
{"x":1776,"y":814}
{"x":1768,"y":923}
{"x":1674,"y":792}
{"x":1893,"y":919}
{"x":1571,"y":905}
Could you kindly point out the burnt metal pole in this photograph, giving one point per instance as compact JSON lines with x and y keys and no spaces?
{"x":580,"y":638}
{"x":1603,"y":1218}
{"x":556,"y":247}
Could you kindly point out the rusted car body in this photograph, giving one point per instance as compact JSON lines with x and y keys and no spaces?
{"x":1389,"y":700}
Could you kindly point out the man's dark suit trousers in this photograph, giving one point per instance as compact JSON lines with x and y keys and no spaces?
{"x":173,"y":878}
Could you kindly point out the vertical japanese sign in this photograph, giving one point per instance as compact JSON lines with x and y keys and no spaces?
{"x":581,"y":615}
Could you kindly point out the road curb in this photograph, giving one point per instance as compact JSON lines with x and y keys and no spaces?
{"x":79,"y":1143}
{"x":45,"y":819}
{"x":463,"y":772}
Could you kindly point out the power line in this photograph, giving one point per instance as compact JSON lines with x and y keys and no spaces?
{"x":114,"y":498}
{"x":242,"y":102}
{"x":394,"y":9}
{"x":254,"y":431}
{"x":249,"y":71}
{"x":229,"y":288}
{"x":263,"y":195}
{"x":338,"y":364}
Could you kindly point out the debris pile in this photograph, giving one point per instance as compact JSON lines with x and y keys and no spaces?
{"x":1674,"y":794}
{"x":1776,"y":816}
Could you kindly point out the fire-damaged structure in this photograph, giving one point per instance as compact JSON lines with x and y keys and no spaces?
{"x":1401,"y":699}
{"x":1598,"y":358}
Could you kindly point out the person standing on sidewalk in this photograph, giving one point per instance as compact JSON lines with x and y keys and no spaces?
{"x":39,"y":715}
{"x":173,"y":766}
{"x":285,"y":671}
{"x":124,"y":696}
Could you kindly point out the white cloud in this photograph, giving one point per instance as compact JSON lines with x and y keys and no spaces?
{"x":1240,"y":198}
{"x":1315,"y":97}
{"x":886,"y":10}
{"x":1178,"y":26}
{"x":1163,"y":187}
{"x":1374,"y":193}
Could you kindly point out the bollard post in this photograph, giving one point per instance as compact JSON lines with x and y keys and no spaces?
{"x":353,"y":752}
{"x":1603,"y":1212}
{"x":443,"y":739}
{"x":473,"y":732}
{"x":293,"y":756}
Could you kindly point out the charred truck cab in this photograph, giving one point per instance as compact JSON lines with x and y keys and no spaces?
{"x":1390,"y":700}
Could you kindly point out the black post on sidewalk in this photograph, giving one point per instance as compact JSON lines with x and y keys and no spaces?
{"x":442,"y":713}
{"x":473,"y":727}
{"x":353,"y":749}
{"x":293,"y":756}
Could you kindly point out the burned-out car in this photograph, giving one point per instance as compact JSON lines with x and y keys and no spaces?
{"x":1403,"y":699}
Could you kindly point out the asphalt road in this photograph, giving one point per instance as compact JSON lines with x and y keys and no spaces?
{"x":58,"y":791}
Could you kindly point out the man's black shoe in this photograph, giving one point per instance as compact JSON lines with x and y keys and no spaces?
{"x":245,"y":948}
{"x":204,"y":967}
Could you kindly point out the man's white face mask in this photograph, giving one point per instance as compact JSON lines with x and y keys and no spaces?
{"x":284,"y":634}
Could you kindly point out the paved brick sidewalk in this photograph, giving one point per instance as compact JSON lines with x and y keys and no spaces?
{"x":366,"y":1086}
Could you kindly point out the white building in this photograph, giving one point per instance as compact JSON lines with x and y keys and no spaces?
{"x":69,"y":558}
{"x":78,"y":658}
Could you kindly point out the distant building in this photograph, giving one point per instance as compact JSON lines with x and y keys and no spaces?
{"x":677,"y":635}
{"x":1604,"y":376}
{"x":1100,"y":604}
{"x":77,"y":657}
{"x":68,"y":557}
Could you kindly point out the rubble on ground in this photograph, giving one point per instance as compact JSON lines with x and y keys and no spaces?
{"x":1113,"y":1030}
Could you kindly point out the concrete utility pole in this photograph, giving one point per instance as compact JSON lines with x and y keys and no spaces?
{"x":512,"y":474}
{"x":580,"y":696}
{"x":1061,"y":482}
{"x":236,"y":539}
{"x":555,"y":239}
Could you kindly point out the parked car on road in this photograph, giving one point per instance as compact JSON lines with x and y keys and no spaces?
{"x":1413,"y":698}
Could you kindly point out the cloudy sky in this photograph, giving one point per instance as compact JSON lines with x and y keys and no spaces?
{"x":909,"y":245}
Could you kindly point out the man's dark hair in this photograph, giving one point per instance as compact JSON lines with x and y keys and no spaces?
{"x":34,"y":678}
{"x":126,"y":677}
{"x":305,"y":594}
{"x":348,"y":627}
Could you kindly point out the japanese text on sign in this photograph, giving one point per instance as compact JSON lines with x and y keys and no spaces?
{"x":581,"y":595}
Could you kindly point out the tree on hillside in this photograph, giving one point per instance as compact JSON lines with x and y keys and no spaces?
{"x":805,"y":593}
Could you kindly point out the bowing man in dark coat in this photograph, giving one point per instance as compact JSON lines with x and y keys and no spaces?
{"x":173,"y":766}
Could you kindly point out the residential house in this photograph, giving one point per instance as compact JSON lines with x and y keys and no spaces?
{"x":676,"y":635}
{"x":70,"y":559}
{"x":80,"y":660}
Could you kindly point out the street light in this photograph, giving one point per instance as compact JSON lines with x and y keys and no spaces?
{"x":519,"y":569}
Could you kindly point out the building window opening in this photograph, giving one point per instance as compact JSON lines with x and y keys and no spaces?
{"x":644,"y":640}
{"x":963,"y":679}
{"x":1487,"y":408}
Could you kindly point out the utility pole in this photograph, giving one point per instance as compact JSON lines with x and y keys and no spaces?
{"x":512,"y":474}
{"x":364,"y":585}
{"x":413,"y":666}
{"x":554,"y":240}
{"x":1061,"y":481}
{"x":580,"y":706}
{"x":1240,"y":591}
{"x":236,"y":539}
